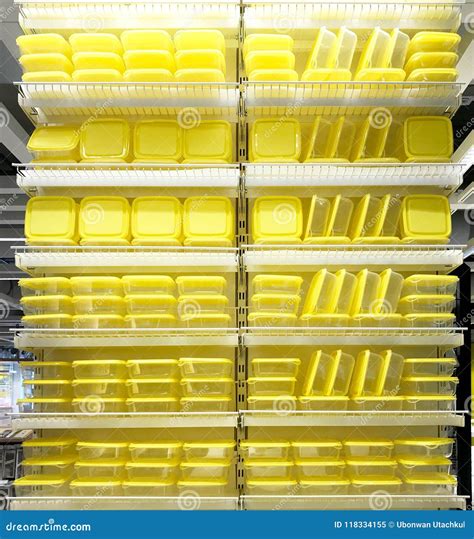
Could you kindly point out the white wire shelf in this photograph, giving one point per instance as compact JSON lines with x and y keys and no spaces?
{"x":190,"y":501}
{"x":273,"y":178}
{"x":310,"y":98}
{"x":313,"y":336}
{"x":379,"y":500}
{"x":124,"y":420}
{"x":416,"y":258}
{"x":99,"y":15}
{"x":71,"y":101}
{"x":296,"y":418}
{"x":72,"y":260}
{"x":31,"y":339}
{"x":129,"y":180}
{"x":410,"y":14}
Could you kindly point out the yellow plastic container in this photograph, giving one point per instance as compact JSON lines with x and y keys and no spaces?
{"x":152,"y":387}
{"x":284,"y":404}
{"x":97,"y":75}
{"x":198,"y":386}
{"x":49,"y":370}
{"x":344,"y":291}
{"x":157,"y":139}
{"x":51,"y":221}
{"x":429,"y":284}
{"x":324,"y":139}
{"x":199,"y":75}
{"x":271,"y":385}
{"x":410,"y":465}
{"x":46,"y":305}
{"x":367,"y":377}
{"x":397,"y":49}
{"x":104,"y":221}
{"x":320,"y":487}
{"x":149,"y":487}
{"x":427,"y":304}
{"x":98,"y":304}
{"x":148,"y":284}
{"x":426,"y":216}
{"x":202,"y":304}
{"x":319,"y":374}
{"x":321,"y":296}
{"x":99,"y":368}
{"x":216,"y":470}
{"x":201,"y":284}
{"x":376,"y":51}
{"x":339,"y":378}
{"x":102,"y":450}
{"x":428,"y":137}
{"x":55,"y":142}
{"x":367,"y":218}
{"x":371,"y":404}
{"x":221,"y":403}
{"x":284,"y":366}
{"x":265,"y":449}
{"x":161,"y":470}
{"x":95,"y":42}
{"x":268,"y":469}
{"x":206,"y":367}
{"x":267,"y":42}
{"x":276,"y":218}
{"x":339,"y":220}
{"x":204,"y":487}
{"x":370,"y":139}
{"x":137,"y":40}
{"x":97,"y":60}
{"x":98,"y":321}
{"x":276,"y":302}
{"x":430,"y":320}
{"x":272,"y":75}
{"x":43,"y":43}
{"x":431,"y":484}
{"x":96,"y":487}
{"x":433,"y":75}
{"x":44,"y":405}
{"x":49,"y":389}
{"x":97,"y":286}
{"x":152,"y":451}
{"x":51,"y":447}
{"x":46,"y":76}
{"x":424,"y":447}
{"x":148,"y":75}
{"x":150,"y":304}
{"x":45,"y":286}
{"x":314,"y":449}
{"x":391,"y":372}
{"x":365,"y":298}
{"x":269,"y":59}
{"x":51,"y":61}
{"x":200,"y":59}
{"x":363,"y":466}
{"x":152,"y":404}
{"x":368,"y":448}
{"x":431,"y":60}
{"x":429,"y":403}
{"x":211,"y":139}
{"x":151,"y":321}
{"x":275,"y":140}
{"x":209,"y":220}
{"x":149,"y":59}
{"x":318,"y":217}
{"x":41,"y":485}
{"x":100,"y":468}
{"x":214,"y":450}
{"x":47,"y":321}
{"x":260,"y":319}
{"x":271,"y":487}
{"x":152,"y":368}
{"x":105,"y":139}
{"x":367,"y":485}
{"x":107,"y":387}
{"x":186,"y":40}
{"x":321,"y":468}
{"x":429,"y":366}
{"x":434,"y":42}
{"x":429,"y":385}
{"x":388,"y":293}
{"x":285,"y":284}
{"x":156,"y":221}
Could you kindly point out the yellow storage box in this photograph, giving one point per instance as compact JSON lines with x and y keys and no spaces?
{"x":55,"y":142}
{"x":275,"y":140}
{"x":51,"y":221}
{"x":146,"y":284}
{"x":97,"y":286}
{"x":266,"y":59}
{"x":156,"y":221}
{"x":148,"y":75}
{"x":95,"y":42}
{"x":434,"y":42}
{"x":97,"y":75}
{"x":43,"y":43}
{"x":149,"y":59}
{"x":45,"y":286}
{"x":267,"y":42}
{"x":208,"y":220}
{"x":104,"y":221}
{"x":98,"y":60}
{"x":200,"y":59}
{"x":208,"y":141}
{"x":51,"y":61}
{"x":199,"y":39}
{"x":276,"y":218}
{"x":426,"y":216}
{"x":149,"y":40}
{"x":428,"y":137}
{"x":105,"y":139}
{"x":157,"y":139}
{"x":200,"y":284}
{"x":46,"y":304}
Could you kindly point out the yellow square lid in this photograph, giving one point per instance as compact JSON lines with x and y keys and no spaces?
{"x":428,"y":136}
{"x":277,"y":216}
{"x":39,"y":480}
{"x":272,"y":138}
{"x":104,"y":216}
{"x":50,"y":217}
{"x":426,"y":215}
{"x":104,"y":138}
{"x":208,"y":216}
{"x":158,"y":138}
{"x":156,"y":216}
{"x":53,"y":138}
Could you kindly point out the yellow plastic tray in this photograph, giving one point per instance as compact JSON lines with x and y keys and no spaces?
{"x":43,"y":43}
{"x":51,"y":61}
{"x":95,"y":42}
{"x":267,"y":42}
{"x":277,"y":216}
{"x":428,"y":136}
{"x":98,"y":60}
{"x":149,"y":59}
{"x":104,"y":220}
{"x":426,"y":215}
{"x":105,"y":139}
{"x":57,"y":142}
{"x":208,"y":218}
{"x":137,"y":40}
{"x":51,"y":220}
{"x":148,"y":75}
{"x":200,"y":59}
{"x":199,"y":75}
{"x":156,"y":219}
{"x":434,"y":42}
{"x":275,"y":140}
{"x":199,"y":39}
{"x":209,"y":140}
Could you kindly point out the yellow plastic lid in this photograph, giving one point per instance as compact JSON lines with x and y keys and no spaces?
{"x":203,"y":483}
{"x":80,"y":381}
{"x":50,"y":442}
{"x":82,"y":362}
{"x":43,"y":400}
{"x":50,"y":461}
{"x":108,"y":137}
{"x":208,"y":216}
{"x":38,"y":222}
{"x":452,"y":379}
{"x":424,"y":442}
{"x":272,"y":482}
{"x":253,"y":463}
{"x":431,"y":479}
{"x":225,"y":444}
{"x":317,"y":443}
{"x":323,"y":461}
{"x":150,"y":400}
{"x":95,"y":482}
{"x":98,"y":60}
{"x":377,"y":442}
{"x":172,"y":444}
{"x":47,"y":61}
{"x":95,"y":42}
{"x":149,"y":482}
{"x":210,"y":399}
{"x":434,"y":42}
{"x":152,"y":281}
{"x":41,"y":382}
{"x":324,"y":482}
{"x":38,"y":480}
{"x":208,"y":463}
{"x":53,"y":138}
{"x":410,"y":460}
{"x":431,"y":280}
{"x":428,"y":136}
{"x":43,"y":43}
{"x":40,"y":364}
{"x":100,"y":463}
{"x":371,"y":461}
{"x":429,"y":317}
{"x":265,"y":443}
{"x":375,"y":480}
{"x":152,"y":463}
{"x":40,"y":284}
{"x":103,"y":444}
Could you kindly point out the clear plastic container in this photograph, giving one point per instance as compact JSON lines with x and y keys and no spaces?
{"x":48,"y":321}
{"x":151,"y":321}
{"x":44,"y":405}
{"x":42,"y":229}
{"x":149,"y":487}
{"x":424,"y":447}
{"x":214,"y":450}
{"x":430,"y":284}
{"x":45,"y":286}
{"x":98,"y":321}
{"x":199,"y":386}
{"x":287,"y":367}
{"x":375,"y":404}
{"x":102,"y":450}
{"x":323,"y":52}
{"x":206,"y":367}
{"x":365,"y":485}
{"x":48,"y":447}
{"x":371,"y":447}
{"x":150,"y":303}
{"x":189,"y":285}
{"x":345,"y":289}
{"x":316,"y":449}
{"x":279,"y":59}
{"x":367,"y":377}
{"x":340,"y":216}
{"x":152,"y":451}
{"x":370,"y":139}
{"x":41,"y":485}
{"x":106,"y":387}
{"x":277,"y":217}
{"x":94,"y":405}
{"x":320,"y":297}
{"x":391,"y":374}
{"x":364,"y":466}
{"x":275,"y":140}
{"x":276,"y":302}
{"x":398,"y":49}
{"x":268,"y":469}
{"x":50,"y":389}
{"x":430,"y":320}
{"x":265,"y":449}
{"x":322,"y":468}
{"x":431,"y":484}
{"x":340,"y":376}
{"x":46,"y":305}
{"x":104,"y":220}
{"x":202,"y":304}
{"x":152,"y":387}
{"x":152,"y":368}
{"x":282,"y":404}
{"x":267,"y":42}
{"x":98,"y":305}
{"x":324,"y":139}
{"x":99,"y":368}
{"x":49,"y":370}
{"x":316,"y":226}
{"x":429,"y":385}
{"x":322,"y":403}
{"x":321,"y":487}
{"x":43,"y":43}
{"x":146,"y":229}
{"x":319,"y":374}
{"x":212,"y":403}
{"x":45,"y":61}
{"x":429,"y":366}
{"x":148,"y":284}
{"x":388,"y":293}
{"x":136,"y":40}
{"x":211,"y":139}
{"x":55,"y":142}
{"x":208,"y":219}
{"x":409,"y":465}
{"x":271,"y":486}
{"x":274,"y":385}
{"x":366,"y":218}
{"x":94,"y":468}
{"x":207,"y":320}
{"x":152,"y":404}
{"x":206,"y":469}
{"x":96,"y":487}
{"x":285,"y":284}
{"x":421,"y":403}
{"x":375,"y":53}
{"x":161,"y":470}
{"x":391,"y":217}
{"x":427,"y":304}
{"x":107,"y":138}
{"x":100,"y":286}
{"x":365,"y":297}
